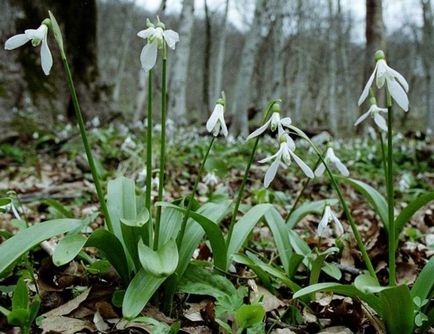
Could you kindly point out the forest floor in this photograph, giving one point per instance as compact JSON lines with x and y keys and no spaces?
{"x":50,"y":177}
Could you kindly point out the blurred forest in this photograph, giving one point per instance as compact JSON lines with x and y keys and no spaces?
{"x":305,"y":52}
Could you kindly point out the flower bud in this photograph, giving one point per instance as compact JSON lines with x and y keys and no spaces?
{"x":221,"y":101}
{"x":47,"y":22}
{"x":379,"y":55}
{"x":276,"y":107}
{"x":149,"y":24}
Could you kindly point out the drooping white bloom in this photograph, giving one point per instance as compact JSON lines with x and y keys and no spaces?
{"x":283,"y":157}
{"x":374,"y":111}
{"x":274,"y":122}
{"x":37,"y":37}
{"x":396,"y":84}
{"x":335,"y":161}
{"x":211,"y":179}
{"x":328,"y":217}
{"x":11,"y":207}
{"x":156,"y":35}
{"x":216,"y":121}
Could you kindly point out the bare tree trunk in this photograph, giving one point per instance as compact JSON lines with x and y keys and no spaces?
{"x":278,"y":39}
{"x":427,"y":58}
{"x":332,"y":105}
{"x":180,"y":65}
{"x":243,"y":83}
{"x":207,"y":55}
{"x":219,"y":69}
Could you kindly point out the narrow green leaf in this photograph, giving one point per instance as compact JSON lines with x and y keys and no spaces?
{"x":57,"y":33}
{"x":243,"y":228}
{"x":412,"y":207}
{"x":142,"y":219}
{"x":306,"y":208}
{"x":262,"y":274}
{"x":424,"y":283}
{"x":19,"y":317}
{"x":112,"y":249}
{"x":59,"y":207}
{"x":374,"y":198}
{"x":249,"y":315}
{"x":368,"y":284}
{"x":160,"y":263}
{"x":140,"y":290}
{"x":68,"y":248}
{"x":34,"y":308}
{"x":13,"y":248}
{"x":213,"y":233}
{"x":345,"y":290}
{"x":20,"y":299}
{"x":398,"y":310}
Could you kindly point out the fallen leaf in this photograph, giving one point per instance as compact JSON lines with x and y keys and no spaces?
{"x":65,"y":325}
{"x":68,"y":307}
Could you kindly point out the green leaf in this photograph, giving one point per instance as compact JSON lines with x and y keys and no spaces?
{"x":57,"y":34}
{"x":213,"y":233}
{"x":140,"y":290}
{"x":412,"y":207}
{"x":99,"y":266}
{"x":424,"y":283}
{"x":375,"y":199}
{"x":368,"y":284}
{"x":345,"y":290}
{"x":112,"y":249}
{"x":317,"y":265}
{"x":398,"y":310}
{"x":34,"y":309}
{"x":306,"y":208}
{"x":243,"y":228}
{"x":13,"y":248}
{"x":160,"y":263}
{"x":142,"y":219}
{"x":4,"y":311}
{"x":59,"y":207}
{"x":68,"y":248}
{"x":20,"y":299}
{"x":249,"y":315}
{"x":262,"y":274}
{"x":280,"y":233}
{"x":19,"y":317}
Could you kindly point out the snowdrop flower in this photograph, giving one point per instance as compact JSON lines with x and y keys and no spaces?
{"x":374,"y":111}
{"x":11,"y":207}
{"x":332,"y":158}
{"x":37,"y":37}
{"x":274,"y":122}
{"x":327,"y":217}
{"x":128,"y":144}
{"x":282,"y":157}
{"x":156,"y":35}
{"x":216,"y":121}
{"x":383,"y":73}
{"x":210,"y":179}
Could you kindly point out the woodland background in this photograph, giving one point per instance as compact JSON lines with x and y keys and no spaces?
{"x":303,"y":51}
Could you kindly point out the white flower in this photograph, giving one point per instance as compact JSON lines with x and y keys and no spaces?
{"x":37,"y":37}
{"x":327,"y":217}
{"x":128,"y":144}
{"x":383,"y":73}
{"x":210,"y":179}
{"x":332,"y":158}
{"x":217,"y":121}
{"x":11,"y":207}
{"x":275,"y":122}
{"x":374,"y":111}
{"x":282,"y":157}
{"x":156,"y":36}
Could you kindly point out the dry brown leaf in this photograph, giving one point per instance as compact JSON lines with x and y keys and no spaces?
{"x":69,"y":306}
{"x":65,"y":325}
{"x":336,"y":330}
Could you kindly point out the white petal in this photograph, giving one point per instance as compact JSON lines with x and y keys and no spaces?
{"x":362,"y":118}
{"x":380,"y":121}
{"x":46,"y":58}
{"x":148,"y":57}
{"x":171,"y":37}
{"x":223,"y":124}
{"x":398,"y":93}
{"x":341,"y":167}
{"x":146,"y":33}
{"x":338,"y":225}
{"x":35,"y":33}
{"x":382,"y":70}
{"x":322,"y":226}
{"x":286,"y":121}
{"x":400,"y":78}
{"x":274,"y":156}
{"x":212,"y":120}
{"x":259,"y":131}
{"x":16,"y":41}
{"x":290,"y":142}
{"x":367,"y":87}
{"x":305,"y":168}
{"x":271,"y":173}
{"x":320,"y":170}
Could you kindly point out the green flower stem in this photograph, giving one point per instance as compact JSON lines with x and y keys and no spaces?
{"x":193,"y":192}
{"x":86,"y":145}
{"x":335,"y":185}
{"x":246,"y":175}
{"x":162,"y":148}
{"x":383,"y":154}
{"x":148,"y":199}
{"x":301,"y":193}
{"x":390,"y":194}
